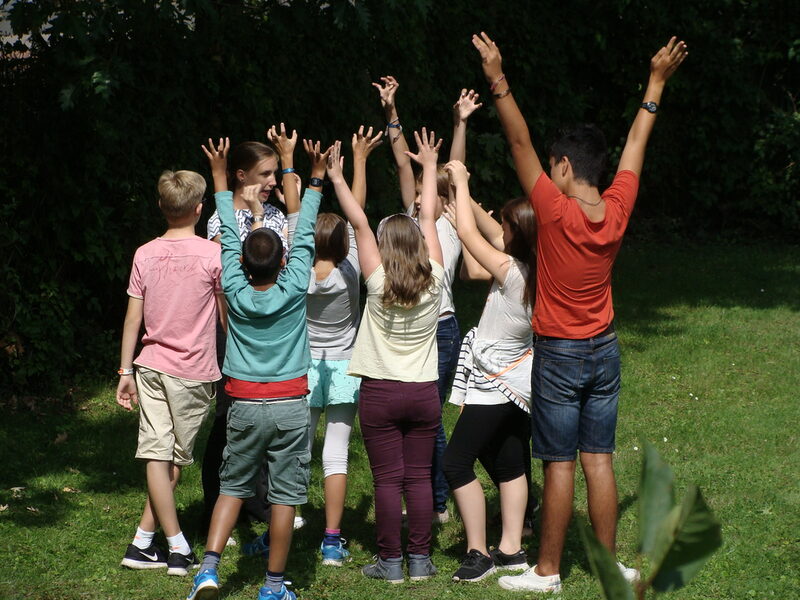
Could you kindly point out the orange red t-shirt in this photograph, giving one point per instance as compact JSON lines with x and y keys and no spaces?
{"x":575,"y":258}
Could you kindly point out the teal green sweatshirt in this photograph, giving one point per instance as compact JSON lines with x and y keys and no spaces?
{"x":267,"y":335}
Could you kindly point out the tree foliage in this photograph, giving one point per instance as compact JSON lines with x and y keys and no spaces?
{"x":106,"y":95}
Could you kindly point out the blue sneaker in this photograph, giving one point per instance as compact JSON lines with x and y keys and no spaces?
{"x":334,"y":554}
{"x":206,"y":586}
{"x":266,"y":593}
{"x":258,"y":547}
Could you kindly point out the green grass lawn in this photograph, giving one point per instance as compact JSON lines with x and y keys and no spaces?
{"x":710,"y":338}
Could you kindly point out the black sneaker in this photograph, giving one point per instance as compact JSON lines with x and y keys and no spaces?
{"x":152,"y":557}
{"x":474,"y":567}
{"x":179,"y":564}
{"x":509,"y":562}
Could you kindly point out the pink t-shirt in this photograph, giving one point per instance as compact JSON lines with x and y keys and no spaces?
{"x":178,"y":280}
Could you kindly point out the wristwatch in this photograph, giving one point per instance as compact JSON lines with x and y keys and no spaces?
{"x":315,"y":182}
{"x":650,"y":107}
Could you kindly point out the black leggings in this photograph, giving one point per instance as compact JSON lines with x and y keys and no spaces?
{"x":498,"y":435}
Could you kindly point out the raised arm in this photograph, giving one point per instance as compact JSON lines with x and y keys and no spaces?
{"x":387,"y":89}
{"x":285,"y":146}
{"x":490,"y":258}
{"x":427,"y":155}
{"x":526,"y":162}
{"x":662,"y":66}
{"x":218,"y":160}
{"x":369,"y":257}
{"x":466,"y":104}
{"x":363,"y":145}
{"x":471,"y":269}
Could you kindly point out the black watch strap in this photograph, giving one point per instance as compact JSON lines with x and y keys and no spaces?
{"x":315,"y":182}
{"x":650,"y":107}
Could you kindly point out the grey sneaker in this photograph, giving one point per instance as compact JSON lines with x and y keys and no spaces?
{"x":390,"y":569}
{"x":420,"y":567}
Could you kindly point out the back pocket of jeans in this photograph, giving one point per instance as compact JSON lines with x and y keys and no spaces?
{"x":557,"y":380}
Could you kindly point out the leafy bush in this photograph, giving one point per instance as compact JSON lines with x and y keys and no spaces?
{"x":108,"y":94}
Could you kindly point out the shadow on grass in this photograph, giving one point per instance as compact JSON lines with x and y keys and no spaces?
{"x":649,"y":279}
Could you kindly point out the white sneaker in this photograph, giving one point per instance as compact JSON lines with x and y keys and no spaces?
{"x":630,"y":574}
{"x":299,"y":522}
{"x":531,"y":581}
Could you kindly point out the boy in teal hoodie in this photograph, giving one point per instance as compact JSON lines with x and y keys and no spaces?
{"x":267,"y":360}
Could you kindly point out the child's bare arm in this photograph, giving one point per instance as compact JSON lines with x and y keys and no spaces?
{"x":218,"y":159}
{"x":526,"y":162}
{"x":369,"y":257}
{"x":363,"y":145}
{"x":387,"y":89}
{"x":662,"y":66}
{"x":490,"y":258}
{"x":285,"y":145}
{"x":126,"y":388}
{"x":427,"y":155}
{"x":466,"y":104}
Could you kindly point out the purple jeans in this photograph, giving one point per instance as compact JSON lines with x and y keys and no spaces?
{"x":399,"y":421}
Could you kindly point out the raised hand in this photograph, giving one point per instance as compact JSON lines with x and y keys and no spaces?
{"x":427,"y":148}
{"x":364,"y":144}
{"x":466,"y":104}
{"x":449,"y":213}
{"x":283,"y":143}
{"x":387,"y":89}
{"x":217,"y":155}
{"x":458,"y":173}
{"x":336,"y":162}
{"x":318,"y":158}
{"x":490,"y":56}
{"x":668,"y":59}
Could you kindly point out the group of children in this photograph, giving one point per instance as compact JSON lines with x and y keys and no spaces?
{"x":280,"y":295}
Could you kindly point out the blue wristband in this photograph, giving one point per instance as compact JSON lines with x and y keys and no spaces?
{"x":287,"y":171}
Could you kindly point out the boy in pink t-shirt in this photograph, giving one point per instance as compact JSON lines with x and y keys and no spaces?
{"x":174,"y":289}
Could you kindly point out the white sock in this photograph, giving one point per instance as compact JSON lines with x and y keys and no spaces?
{"x":143,"y":539}
{"x":178,"y":543}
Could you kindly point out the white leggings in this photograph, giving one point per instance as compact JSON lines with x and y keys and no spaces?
{"x":338,"y":425}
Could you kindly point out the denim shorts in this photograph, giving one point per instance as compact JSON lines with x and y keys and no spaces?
{"x":278,"y":430}
{"x":575,"y":393}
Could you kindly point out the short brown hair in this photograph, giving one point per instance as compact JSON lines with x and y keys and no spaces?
{"x":180,"y":192}
{"x":330,"y":238}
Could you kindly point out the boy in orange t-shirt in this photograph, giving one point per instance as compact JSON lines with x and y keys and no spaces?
{"x":576,"y":376}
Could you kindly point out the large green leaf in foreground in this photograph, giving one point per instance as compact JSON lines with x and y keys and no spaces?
{"x":656,"y":497}
{"x":604,"y":566}
{"x":688,"y":538}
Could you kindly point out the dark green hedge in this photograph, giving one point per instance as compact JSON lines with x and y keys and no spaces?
{"x":105,"y":95}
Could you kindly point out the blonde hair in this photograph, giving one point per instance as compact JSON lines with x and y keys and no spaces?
{"x":405,"y":260}
{"x":442,"y":181}
{"x":180,"y":192}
